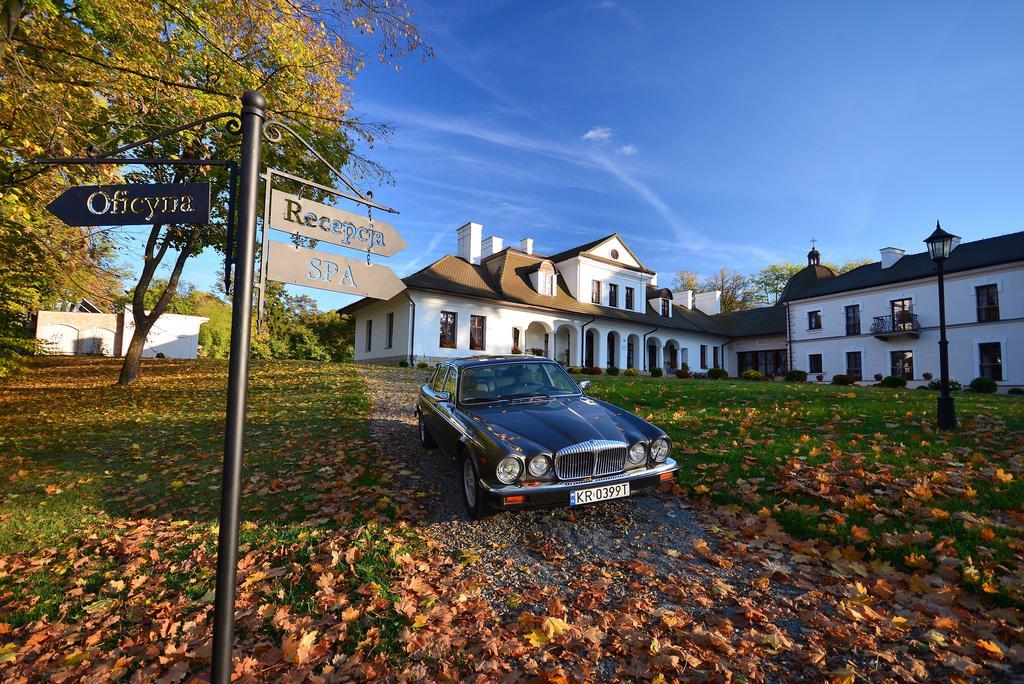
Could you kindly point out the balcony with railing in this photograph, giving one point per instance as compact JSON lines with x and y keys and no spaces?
{"x":902,"y":324}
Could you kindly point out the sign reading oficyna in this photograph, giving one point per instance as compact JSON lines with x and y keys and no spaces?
{"x":312,"y":268}
{"x":133,"y":204}
{"x":293,"y":214}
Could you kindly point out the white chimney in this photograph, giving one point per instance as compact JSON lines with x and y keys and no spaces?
{"x":709,"y":302}
{"x":687,"y":298}
{"x":526,"y":244}
{"x":491,"y":245}
{"x":890,"y":255}
{"x":469,"y":241}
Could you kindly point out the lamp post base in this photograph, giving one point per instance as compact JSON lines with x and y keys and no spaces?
{"x":946,"y":413}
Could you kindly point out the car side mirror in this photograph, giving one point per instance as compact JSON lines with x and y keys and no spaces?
{"x":584,"y":384}
{"x":443,"y":396}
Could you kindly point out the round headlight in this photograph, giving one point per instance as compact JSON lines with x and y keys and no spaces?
{"x":660,"y":449}
{"x":509,"y":468}
{"x":637,"y":453}
{"x":539,"y":465}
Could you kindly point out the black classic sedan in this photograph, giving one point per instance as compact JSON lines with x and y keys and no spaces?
{"x":524,"y":435}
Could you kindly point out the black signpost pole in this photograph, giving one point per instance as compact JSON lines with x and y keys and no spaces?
{"x":253,"y":116}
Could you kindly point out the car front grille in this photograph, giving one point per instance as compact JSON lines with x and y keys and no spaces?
{"x":590,"y":459}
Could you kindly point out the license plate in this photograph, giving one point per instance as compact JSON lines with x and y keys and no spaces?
{"x":585,"y":496}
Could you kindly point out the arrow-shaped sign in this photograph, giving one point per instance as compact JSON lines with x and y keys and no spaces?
{"x":310,"y":219}
{"x":312,"y":268}
{"x":133,"y":204}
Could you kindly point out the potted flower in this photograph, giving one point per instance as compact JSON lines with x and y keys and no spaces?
{"x":926,"y":375}
{"x":537,"y":351}
{"x":820,"y":377}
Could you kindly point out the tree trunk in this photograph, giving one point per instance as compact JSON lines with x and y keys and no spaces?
{"x":144,"y":321}
{"x":133,"y":357}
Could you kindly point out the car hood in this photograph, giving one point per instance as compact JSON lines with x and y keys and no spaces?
{"x":550,"y":425}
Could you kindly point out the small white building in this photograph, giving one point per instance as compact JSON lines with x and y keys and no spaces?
{"x":87,"y":331}
{"x":598,"y":305}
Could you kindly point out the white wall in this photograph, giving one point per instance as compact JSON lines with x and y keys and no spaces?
{"x":78,"y":332}
{"x":963,"y":329}
{"x":589,"y":270}
{"x":173,"y":335}
{"x":377,"y":312}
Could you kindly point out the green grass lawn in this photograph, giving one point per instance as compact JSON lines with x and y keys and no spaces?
{"x":102,"y":482}
{"x":859,"y":466}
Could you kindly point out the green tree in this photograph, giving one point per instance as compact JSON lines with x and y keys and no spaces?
{"x":685,"y":280}
{"x":104,"y":72}
{"x":767,"y":284}
{"x":736,"y":295}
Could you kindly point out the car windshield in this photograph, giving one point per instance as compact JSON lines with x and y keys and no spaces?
{"x":517,"y":380}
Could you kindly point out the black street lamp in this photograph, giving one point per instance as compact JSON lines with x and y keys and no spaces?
{"x":940,"y":244}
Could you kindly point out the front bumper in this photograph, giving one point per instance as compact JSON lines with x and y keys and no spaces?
{"x":557,"y":493}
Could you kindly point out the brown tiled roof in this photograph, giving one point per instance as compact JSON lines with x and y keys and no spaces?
{"x":505,"y":277}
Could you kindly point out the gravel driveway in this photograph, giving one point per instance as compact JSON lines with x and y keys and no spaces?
{"x":553,"y":545}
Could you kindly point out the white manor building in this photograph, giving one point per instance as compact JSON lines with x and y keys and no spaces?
{"x":598,"y":305}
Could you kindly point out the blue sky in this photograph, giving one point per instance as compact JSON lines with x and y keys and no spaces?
{"x":707,"y":134}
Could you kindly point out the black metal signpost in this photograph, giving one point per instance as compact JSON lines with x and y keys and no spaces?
{"x":189,"y":203}
{"x":254,"y":109}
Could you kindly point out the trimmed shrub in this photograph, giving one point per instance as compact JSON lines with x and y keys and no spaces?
{"x":683,"y":373}
{"x":752,"y":375}
{"x":631,"y":372}
{"x":954,"y":385}
{"x":983,"y":385}
{"x":657,"y":372}
{"x":403,"y":364}
{"x":612,"y":370}
{"x":878,"y":377}
{"x":842,"y":379}
{"x":1016,"y":391}
{"x":717,"y":374}
{"x":423,"y":364}
{"x":893,"y":381}
{"x":593,"y":370}
{"x":796,"y":375}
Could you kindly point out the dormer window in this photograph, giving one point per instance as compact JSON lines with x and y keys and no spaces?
{"x":666,"y":308}
{"x":546,"y":279}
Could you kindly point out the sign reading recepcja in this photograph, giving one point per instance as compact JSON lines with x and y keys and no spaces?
{"x":310,"y":219}
{"x":312,"y":268}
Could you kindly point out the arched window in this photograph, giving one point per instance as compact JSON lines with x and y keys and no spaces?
{"x":546,"y":279}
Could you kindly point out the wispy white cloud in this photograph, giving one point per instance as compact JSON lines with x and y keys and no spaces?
{"x":598,"y":134}
{"x":628,"y":150}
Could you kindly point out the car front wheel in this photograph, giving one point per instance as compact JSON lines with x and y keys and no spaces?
{"x":472,"y":493}
{"x":425,"y":439}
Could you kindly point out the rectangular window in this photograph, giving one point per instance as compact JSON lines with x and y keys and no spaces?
{"x":814,"y":364}
{"x":478,"y":333}
{"x":715,"y":356}
{"x":902,"y":364}
{"x":990,"y":358}
{"x":390,"y":324}
{"x":988,"y":303}
{"x":703,"y":356}
{"x":666,"y":308}
{"x":853,"y":319}
{"x":369,"y":335}
{"x":515,"y":339}
{"x":902,"y":314}
{"x":629,"y":298}
{"x":449,"y":329}
{"x":769,"y":363}
{"x":595,"y":291}
{"x":814,"y":320}
{"x":613,"y":294}
{"x":853,"y":365}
